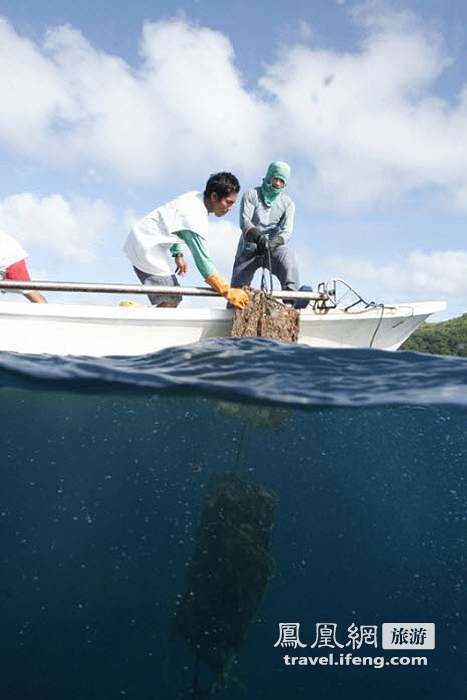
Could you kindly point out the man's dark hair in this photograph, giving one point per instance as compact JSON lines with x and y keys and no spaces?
{"x":222,"y":184}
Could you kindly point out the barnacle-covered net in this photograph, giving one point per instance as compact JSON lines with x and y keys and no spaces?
{"x":266,"y":317}
{"x":229,"y":572}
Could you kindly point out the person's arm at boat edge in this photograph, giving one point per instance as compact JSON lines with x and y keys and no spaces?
{"x":199,"y":250}
{"x":14,"y":267}
{"x":19,"y":272}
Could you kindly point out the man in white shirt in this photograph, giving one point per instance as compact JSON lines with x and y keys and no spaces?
{"x":13,"y":265}
{"x":158,"y":236}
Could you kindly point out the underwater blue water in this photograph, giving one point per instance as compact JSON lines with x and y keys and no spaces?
{"x":107,"y":469}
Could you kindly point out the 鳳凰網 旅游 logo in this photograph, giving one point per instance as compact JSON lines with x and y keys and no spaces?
{"x":356,"y":644}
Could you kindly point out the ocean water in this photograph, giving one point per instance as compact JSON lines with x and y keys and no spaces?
{"x":162,"y":516}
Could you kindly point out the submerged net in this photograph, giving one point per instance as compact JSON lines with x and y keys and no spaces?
{"x":266,"y":317}
{"x":270,"y":417}
{"x":229,"y":572}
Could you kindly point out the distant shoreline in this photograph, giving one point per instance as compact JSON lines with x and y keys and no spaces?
{"x":442,"y":338}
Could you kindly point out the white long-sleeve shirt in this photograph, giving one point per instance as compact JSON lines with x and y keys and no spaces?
{"x":149,"y":242}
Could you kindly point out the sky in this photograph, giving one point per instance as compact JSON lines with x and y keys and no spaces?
{"x":110,"y":109}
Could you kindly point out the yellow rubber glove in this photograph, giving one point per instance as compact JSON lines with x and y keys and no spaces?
{"x":237,"y":297}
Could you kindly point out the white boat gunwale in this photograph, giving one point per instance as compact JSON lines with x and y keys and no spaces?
{"x":102,"y":329}
{"x":99,"y":330}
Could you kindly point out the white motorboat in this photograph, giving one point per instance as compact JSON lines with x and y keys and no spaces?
{"x":98,"y":330}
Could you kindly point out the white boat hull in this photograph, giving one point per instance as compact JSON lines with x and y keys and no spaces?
{"x":63,"y":329}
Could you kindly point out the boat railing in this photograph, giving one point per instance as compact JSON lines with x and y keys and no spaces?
{"x":104,"y":288}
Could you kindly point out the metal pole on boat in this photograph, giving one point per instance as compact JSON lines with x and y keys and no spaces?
{"x":98,"y":287}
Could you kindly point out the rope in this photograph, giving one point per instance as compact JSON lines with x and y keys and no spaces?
{"x":264,"y":268}
{"x":378,"y":324}
{"x":360,"y":300}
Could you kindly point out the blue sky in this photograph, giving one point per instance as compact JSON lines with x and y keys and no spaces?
{"x":110,"y":109}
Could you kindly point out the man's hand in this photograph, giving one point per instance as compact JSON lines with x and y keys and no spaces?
{"x":254,"y":235}
{"x":181,"y":268}
{"x":236,"y":297}
{"x":262,"y":244}
{"x":35,"y":297}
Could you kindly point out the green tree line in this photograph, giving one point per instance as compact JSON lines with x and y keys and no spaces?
{"x":443,"y":338}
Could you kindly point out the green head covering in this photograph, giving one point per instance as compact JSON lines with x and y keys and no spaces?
{"x":276,"y":169}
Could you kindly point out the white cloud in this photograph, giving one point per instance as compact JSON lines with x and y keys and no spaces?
{"x":370,"y":121}
{"x":363,"y":126}
{"x":441,"y":273}
{"x":190,"y":71}
{"x":71,"y":229}
{"x":33,"y":88}
{"x":185,"y":105}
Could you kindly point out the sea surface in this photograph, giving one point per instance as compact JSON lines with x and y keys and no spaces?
{"x":168,"y":523}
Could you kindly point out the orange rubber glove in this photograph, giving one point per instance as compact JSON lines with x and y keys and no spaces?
{"x":237,"y":297}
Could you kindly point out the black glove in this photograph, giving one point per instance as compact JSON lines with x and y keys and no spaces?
{"x":262,"y":244}
{"x":253,"y":234}
{"x":275,"y":242}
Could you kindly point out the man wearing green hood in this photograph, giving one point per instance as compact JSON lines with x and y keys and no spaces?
{"x":266,"y":221}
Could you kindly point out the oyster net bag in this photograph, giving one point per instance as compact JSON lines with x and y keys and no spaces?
{"x":229,"y":572}
{"x":266,"y":317}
